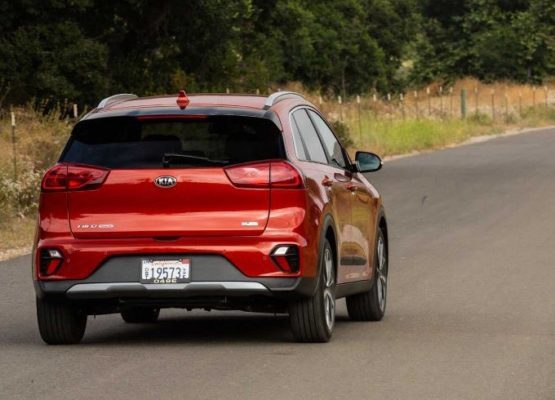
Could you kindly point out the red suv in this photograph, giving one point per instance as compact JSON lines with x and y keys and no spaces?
{"x":208,"y":201}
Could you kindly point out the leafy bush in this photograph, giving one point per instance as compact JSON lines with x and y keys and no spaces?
{"x":40,"y":136}
{"x":342,"y":131}
{"x":19,"y":197}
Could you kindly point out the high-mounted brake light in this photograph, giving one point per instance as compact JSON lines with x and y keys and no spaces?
{"x":182,"y":99}
{"x":277,"y":174}
{"x":73,"y":177}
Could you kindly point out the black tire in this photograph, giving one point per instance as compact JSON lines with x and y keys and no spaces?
{"x":59,"y":322}
{"x":313,"y":319}
{"x":140,"y":315}
{"x":370,"y":305}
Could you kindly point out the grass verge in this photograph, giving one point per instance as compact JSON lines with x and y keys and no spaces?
{"x":388,"y":137}
{"x":17,"y":236}
{"x":41,"y":136}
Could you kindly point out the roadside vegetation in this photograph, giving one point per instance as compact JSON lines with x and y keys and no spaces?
{"x":388,"y":73}
{"x":39,"y":138}
{"x":387,"y":127}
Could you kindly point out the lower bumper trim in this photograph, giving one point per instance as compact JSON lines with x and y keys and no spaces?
{"x":135,"y":289}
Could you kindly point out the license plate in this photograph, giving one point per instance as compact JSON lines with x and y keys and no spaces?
{"x":166,"y":271}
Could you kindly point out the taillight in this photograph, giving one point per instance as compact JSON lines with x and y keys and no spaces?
{"x":73,"y":177}
{"x":279,"y":174}
{"x":286,"y":257}
{"x":284,"y":175}
{"x":50,"y":261}
{"x":255,"y":175}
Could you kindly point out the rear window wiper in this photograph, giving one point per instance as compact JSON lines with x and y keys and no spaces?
{"x":197,"y":159}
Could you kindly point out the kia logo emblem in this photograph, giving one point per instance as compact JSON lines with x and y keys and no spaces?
{"x":165,"y":181}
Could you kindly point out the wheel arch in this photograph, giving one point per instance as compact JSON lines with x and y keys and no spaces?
{"x":328,"y":231}
{"x":382,"y":224}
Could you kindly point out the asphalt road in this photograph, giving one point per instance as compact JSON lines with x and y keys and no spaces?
{"x":471,"y":311}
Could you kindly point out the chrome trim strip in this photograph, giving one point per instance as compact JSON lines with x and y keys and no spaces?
{"x":81,"y":288}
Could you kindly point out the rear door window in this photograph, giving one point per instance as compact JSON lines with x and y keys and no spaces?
{"x":331,"y":144}
{"x":310,"y":137}
{"x":129,"y":142}
{"x":298,"y":142}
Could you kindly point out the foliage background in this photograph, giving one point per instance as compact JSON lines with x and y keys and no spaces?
{"x":54,"y":53}
{"x":82,"y":50}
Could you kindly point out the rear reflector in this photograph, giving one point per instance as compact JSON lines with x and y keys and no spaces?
{"x":50,"y":261}
{"x":286,"y":257}
{"x":73,"y":177}
{"x":278,"y":174}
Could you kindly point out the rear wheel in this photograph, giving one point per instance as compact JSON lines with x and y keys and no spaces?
{"x":140,"y":315}
{"x":370,"y":306}
{"x":59,"y":322}
{"x":313,"y":319}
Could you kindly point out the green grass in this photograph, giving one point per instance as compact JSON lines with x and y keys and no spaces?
{"x":389,"y":137}
{"x":40,"y":138}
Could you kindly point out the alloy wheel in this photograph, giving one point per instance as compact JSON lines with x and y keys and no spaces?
{"x":382,"y":274}
{"x":329,"y":282}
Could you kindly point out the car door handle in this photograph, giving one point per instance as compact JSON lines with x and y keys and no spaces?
{"x":341,"y":178}
{"x":327,"y":182}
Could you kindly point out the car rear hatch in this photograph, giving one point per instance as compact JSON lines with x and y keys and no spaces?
{"x":170,"y":176}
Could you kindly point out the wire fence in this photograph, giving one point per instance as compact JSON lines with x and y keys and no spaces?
{"x":500,"y":102}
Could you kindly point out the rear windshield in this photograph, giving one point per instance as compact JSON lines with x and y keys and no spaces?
{"x":129,"y":142}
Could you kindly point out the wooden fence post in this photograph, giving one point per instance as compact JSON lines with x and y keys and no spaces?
{"x":493,"y":104}
{"x":389,"y":108}
{"x":441,"y":102}
{"x":451,"y":101}
{"x":359,"y":120}
{"x":416,"y":105}
{"x":506,"y":107}
{"x":14,"y":158}
{"x":476,"y":100}
{"x":463,"y":103}
{"x":429,"y":102}
{"x":340,"y":101}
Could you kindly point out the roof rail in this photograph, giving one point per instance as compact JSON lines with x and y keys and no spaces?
{"x":116,"y":99}
{"x":278,"y":96}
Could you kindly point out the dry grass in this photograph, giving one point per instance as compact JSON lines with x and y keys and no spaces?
{"x":500,"y":101}
{"x":16,"y":236}
{"x":387,"y":127}
{"x":39,"y":138}
{"x":431,"y":117}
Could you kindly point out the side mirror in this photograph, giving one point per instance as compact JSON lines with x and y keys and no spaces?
{"x":367,"y":162}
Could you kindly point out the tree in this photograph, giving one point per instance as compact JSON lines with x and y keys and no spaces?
{"x":489,"y":39}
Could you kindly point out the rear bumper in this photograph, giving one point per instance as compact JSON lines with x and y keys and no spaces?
{"x":248,"y":254}
{"x":211,"y":276}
